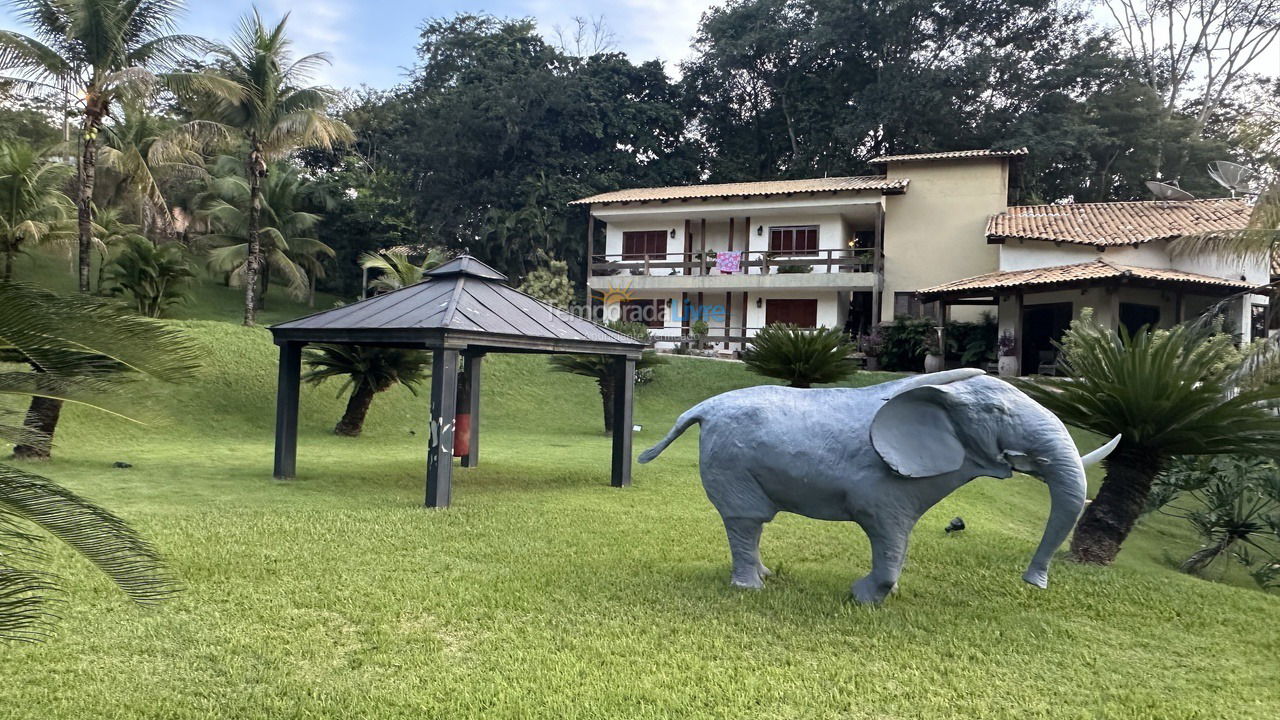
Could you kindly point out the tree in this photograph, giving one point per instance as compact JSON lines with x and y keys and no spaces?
{"x":156,"y":277}
{"x":396,"y":268}
{"x":550,"y":284}
{"x":63,"y":337}
{"x":273,"y":112}
{"x":98,"y":52}
{"x":110,"y":234}
{"x":33,"y":209}
{"x":600,"y":367}
{"x":1166,"y":393}
{"x":285,"y":234}
{"x":801,"y":357}
{"x":366,"y":371}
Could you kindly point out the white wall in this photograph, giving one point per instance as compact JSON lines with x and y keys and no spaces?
{"x":1029,"y":254}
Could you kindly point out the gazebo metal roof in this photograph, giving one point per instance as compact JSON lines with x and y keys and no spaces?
{"x":460,"y":311}
{"x":463,"y":303}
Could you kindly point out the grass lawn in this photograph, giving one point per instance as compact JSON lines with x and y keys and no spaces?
{"x":544,"y":593}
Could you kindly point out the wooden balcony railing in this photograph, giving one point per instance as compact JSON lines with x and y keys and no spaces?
{"x":754,"y":262}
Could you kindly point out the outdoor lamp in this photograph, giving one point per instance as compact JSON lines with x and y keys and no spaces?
{"x":759,"y":303}
{"x":760,"y":230}
{"x":673,"y":233}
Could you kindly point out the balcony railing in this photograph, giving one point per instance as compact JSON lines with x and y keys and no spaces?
{"x":754,"y":262}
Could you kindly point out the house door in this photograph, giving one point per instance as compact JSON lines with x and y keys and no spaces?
{"x":801,"y":313}
{"x":1042,"y":326}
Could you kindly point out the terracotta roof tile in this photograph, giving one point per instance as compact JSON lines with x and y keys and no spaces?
{"x":748,"y":189}
{"x":953,"y":155}
{"x":1117,"y":223}
{"x":1071,"y":274}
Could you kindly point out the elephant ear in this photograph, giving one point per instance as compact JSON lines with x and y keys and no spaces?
{"x":914,"y":434}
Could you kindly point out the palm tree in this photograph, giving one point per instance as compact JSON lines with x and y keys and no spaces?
{"x":70,"y":339}
{"x":600,"y":368}
{"x":98,"y":52}
{"x":33,"y":208}
{"x":274,"y":113}
{"x":366,"y":371}
{"x":801,"y":357}
{"x":397,"y":270}
{"x":154,"y":276}
{"x":111,"y":233}
{"x":285,"y":238}
{"x":1166,"y":393}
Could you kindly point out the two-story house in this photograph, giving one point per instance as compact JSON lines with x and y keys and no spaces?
{"x":932,"y":236}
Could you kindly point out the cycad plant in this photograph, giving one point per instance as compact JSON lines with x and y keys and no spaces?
{"x":600,"y":367}
{"x":1166,"y":393}
{"x":96,"y":53}
{"x":78,"y":344}
{"x":365,"y":370}
{"x":395,"y":267}
{"x":800,"y":357}
{"x":33,"y":209}
{"x":154,"y":277}
{"x":273,"y":112}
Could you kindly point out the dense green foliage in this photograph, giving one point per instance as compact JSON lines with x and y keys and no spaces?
{"x":365,"y":371}
{"x":1166,"y":393}
{"x":600,"y":367}
{"x":153,"y":277}
{"x":802,"y":358}
{"x":33,"y":208}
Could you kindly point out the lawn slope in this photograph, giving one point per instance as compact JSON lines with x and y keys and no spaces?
{"x":544,"y":593}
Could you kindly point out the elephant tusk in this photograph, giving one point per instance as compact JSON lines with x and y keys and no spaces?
{"x":1098,"y":455}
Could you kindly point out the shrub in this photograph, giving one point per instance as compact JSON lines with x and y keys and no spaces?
{"x":801,"y":357}
{"x":972,"y":343}
{"x":155,"y":277}
{"x":550,"y":284}
{"x":904,"y":344}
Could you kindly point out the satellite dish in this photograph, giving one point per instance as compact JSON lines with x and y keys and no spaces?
{"x":1168,"y":191}
{"x":1232,"y":176}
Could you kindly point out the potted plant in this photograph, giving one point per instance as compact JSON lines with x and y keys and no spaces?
{"x":934,"y":360}
{"x":870,"y":344}
{"x":698,"y":332}
{"x":1007,"y":364}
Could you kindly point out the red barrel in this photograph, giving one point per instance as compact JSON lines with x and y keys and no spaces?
{"x":462,"y":435}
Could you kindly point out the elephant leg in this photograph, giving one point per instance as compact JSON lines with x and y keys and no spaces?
{"x":744,"y":547}
{"x":888,"y":553}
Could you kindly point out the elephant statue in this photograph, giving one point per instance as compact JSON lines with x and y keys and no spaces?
{"x":880,"y":456}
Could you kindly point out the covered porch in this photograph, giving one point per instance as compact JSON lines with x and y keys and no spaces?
{"x":1036,"y":306}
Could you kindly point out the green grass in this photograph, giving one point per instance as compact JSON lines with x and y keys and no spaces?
{"x":544,"y":593}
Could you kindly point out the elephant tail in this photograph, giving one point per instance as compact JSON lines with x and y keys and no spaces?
{"x":690,"y":417}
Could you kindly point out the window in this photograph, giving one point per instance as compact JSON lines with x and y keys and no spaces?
{"x":653,"y":313}
{"x":1134,"y":317}
{"x":1258,"y":328}
{"x":793,"y":240}
{"x":801,"y":313}
{"x":906,"y":303}
{"x":644,"y":244}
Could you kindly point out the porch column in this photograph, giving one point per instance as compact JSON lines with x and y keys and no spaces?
{"x":1017,"y":330}
{"x":287,"y":382}
{"x":591,"y":242}
{"x":444,"y":400}
{"x":471,"y":400}
{"x":624,"y":382}
{"x":702,"y":248}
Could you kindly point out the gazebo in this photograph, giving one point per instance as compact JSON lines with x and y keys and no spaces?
{"x":461,"y":311}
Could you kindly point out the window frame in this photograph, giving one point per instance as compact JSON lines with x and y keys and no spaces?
{"x":790,"y":233}
{"x":653,"y":244}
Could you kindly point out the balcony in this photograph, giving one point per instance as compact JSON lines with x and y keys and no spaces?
{"x":834,"y":268}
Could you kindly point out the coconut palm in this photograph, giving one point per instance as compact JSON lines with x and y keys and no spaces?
{"x":1166,"y":393}
{"x":396,"y":268}
{"x":78,"y":343}
{"x":366,"y":371}
{"x":801,"y":357}
{"x":98,"y":52}
{"x":33,"y":209}
{"x":273,"y":112}
{"x":285,"y":234}
{"x":600,"y":367}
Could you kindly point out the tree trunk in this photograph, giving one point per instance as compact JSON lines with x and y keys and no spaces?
{"x":42,"y":417}
{"x":255,"y":169}
{"x":1120,"y":500}
{"x":84,"y":196}
{"x":352,"y":421}
{"x":606,"y":394}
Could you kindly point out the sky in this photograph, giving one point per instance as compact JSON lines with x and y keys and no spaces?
{"x":373,"y":41}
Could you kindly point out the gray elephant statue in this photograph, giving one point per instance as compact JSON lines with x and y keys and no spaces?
{"x":880,"y":456}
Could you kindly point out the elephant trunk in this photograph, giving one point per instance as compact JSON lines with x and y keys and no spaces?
{"x":1067,"y":489}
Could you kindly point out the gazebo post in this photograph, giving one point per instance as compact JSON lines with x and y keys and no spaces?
{"x":624,"y":383}
{"x":471,"y":368}
{"x":287,"y":382}
{"x":444,"y":400}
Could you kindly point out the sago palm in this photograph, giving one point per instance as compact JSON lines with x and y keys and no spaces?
{"x":600,"y":367}
{"x":111,"y":233}
{"x":801,"y":357}
{"x":154,"y":277}
{"x":79,"y":344}
{"x":273,"y":112}
{"x":33,"y":209}
{"x":396,"y":269}
{"x":1166,"y":393}
{"x":95,"y":53}
{"x":365,"y":372}
{"x":285,"y":234}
